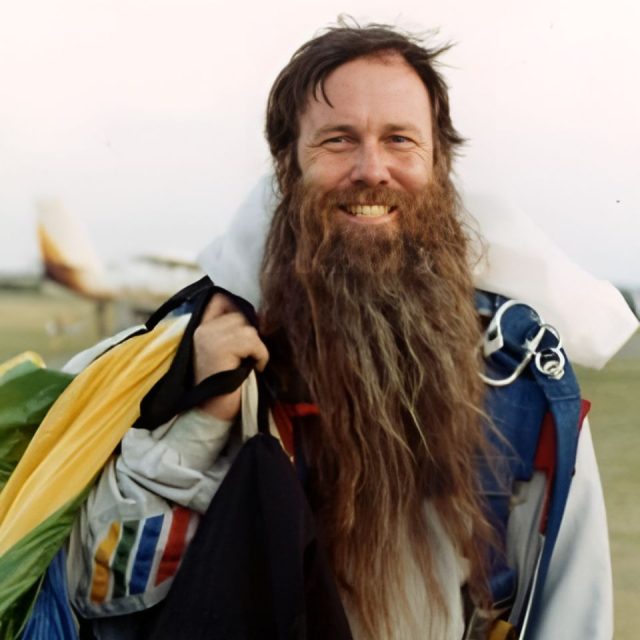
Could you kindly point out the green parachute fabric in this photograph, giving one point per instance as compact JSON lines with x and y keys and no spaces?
{"x":27,"y":391}
{"x":81,"y":421}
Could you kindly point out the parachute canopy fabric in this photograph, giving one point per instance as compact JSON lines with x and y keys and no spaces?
{"x":82,"y":429}
{"x":27,"y":391}
{"x":26,"y":361}
{"x":71,"y":445}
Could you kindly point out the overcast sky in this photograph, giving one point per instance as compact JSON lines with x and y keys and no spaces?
{"x":145,"y":117}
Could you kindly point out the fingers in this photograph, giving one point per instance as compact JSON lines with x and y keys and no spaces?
{"x":221,"y":341}
{"x":224,"y":338}
{"x":227,"y":340}
{"x":255,"y":348}
{"x":218,"y":306}
{"x":230,"y":320}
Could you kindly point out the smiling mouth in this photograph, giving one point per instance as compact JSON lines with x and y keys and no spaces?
{"x":367,"y":210}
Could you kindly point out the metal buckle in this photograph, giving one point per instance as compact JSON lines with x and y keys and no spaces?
{"x":550,"y":361}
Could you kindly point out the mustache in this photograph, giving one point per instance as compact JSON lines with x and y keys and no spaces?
{"x":326,"y":202}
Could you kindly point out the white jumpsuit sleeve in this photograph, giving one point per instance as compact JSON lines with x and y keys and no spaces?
{"x":139,"y":518}
{"x":176,"y":462}
{"x":577,"y":600}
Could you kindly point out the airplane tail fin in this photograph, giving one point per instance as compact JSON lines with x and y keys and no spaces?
{"x":68,"y":256}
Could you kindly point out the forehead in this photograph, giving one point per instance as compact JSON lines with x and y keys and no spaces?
{"x":372,"y":91}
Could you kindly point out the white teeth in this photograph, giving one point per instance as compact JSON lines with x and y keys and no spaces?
{"x":372,"y":210}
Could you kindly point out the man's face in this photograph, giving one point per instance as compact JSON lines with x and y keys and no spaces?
{"x":377,"y":134}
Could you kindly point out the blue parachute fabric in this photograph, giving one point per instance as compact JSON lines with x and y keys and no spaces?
{"x":51,"y":617}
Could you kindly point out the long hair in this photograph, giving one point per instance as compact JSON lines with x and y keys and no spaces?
{"x":384,"y":332}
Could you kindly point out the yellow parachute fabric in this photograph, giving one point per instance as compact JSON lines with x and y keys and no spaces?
{"x":82,"y":429}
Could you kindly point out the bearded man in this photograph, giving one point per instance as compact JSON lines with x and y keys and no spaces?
{"x":367,"y":313}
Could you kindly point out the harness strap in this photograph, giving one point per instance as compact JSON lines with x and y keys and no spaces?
{"x":563,"y":396}
{"x":529,"y":377}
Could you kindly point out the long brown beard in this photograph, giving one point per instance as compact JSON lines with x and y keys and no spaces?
{"x":382,"y":327}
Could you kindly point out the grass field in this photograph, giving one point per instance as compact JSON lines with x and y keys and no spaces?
{"x":57,"y":324}
{"x":615,"y":422}
{"x":54,"y":323}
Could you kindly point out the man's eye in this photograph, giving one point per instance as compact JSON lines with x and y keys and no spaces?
{"x":336,"y":140}
{"x":397,"y":139}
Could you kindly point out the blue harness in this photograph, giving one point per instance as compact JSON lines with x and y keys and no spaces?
{"x":535,"y":406}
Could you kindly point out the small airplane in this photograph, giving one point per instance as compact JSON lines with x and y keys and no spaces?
{"x":139,"y":285}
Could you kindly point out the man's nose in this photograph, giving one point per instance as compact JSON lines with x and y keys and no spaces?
{"x":370,"y":168}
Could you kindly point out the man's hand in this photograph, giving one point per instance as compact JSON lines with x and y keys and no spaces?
{"x":221,"y":341}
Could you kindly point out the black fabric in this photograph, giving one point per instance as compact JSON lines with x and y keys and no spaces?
{"x":188,"y":294}
{"x":182,"y":297}
{"x":255,"y":568}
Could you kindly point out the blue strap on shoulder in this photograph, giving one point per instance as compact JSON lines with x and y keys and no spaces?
{"x":564,"y":400}
{"x":528,"y":376}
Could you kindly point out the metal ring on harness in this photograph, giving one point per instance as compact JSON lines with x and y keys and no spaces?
{"x":550,"y":360}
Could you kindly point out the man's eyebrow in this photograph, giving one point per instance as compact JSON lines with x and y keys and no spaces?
{"x":350,"y":129}
{"x":334,"y":128}
{"x":406,"y":127}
